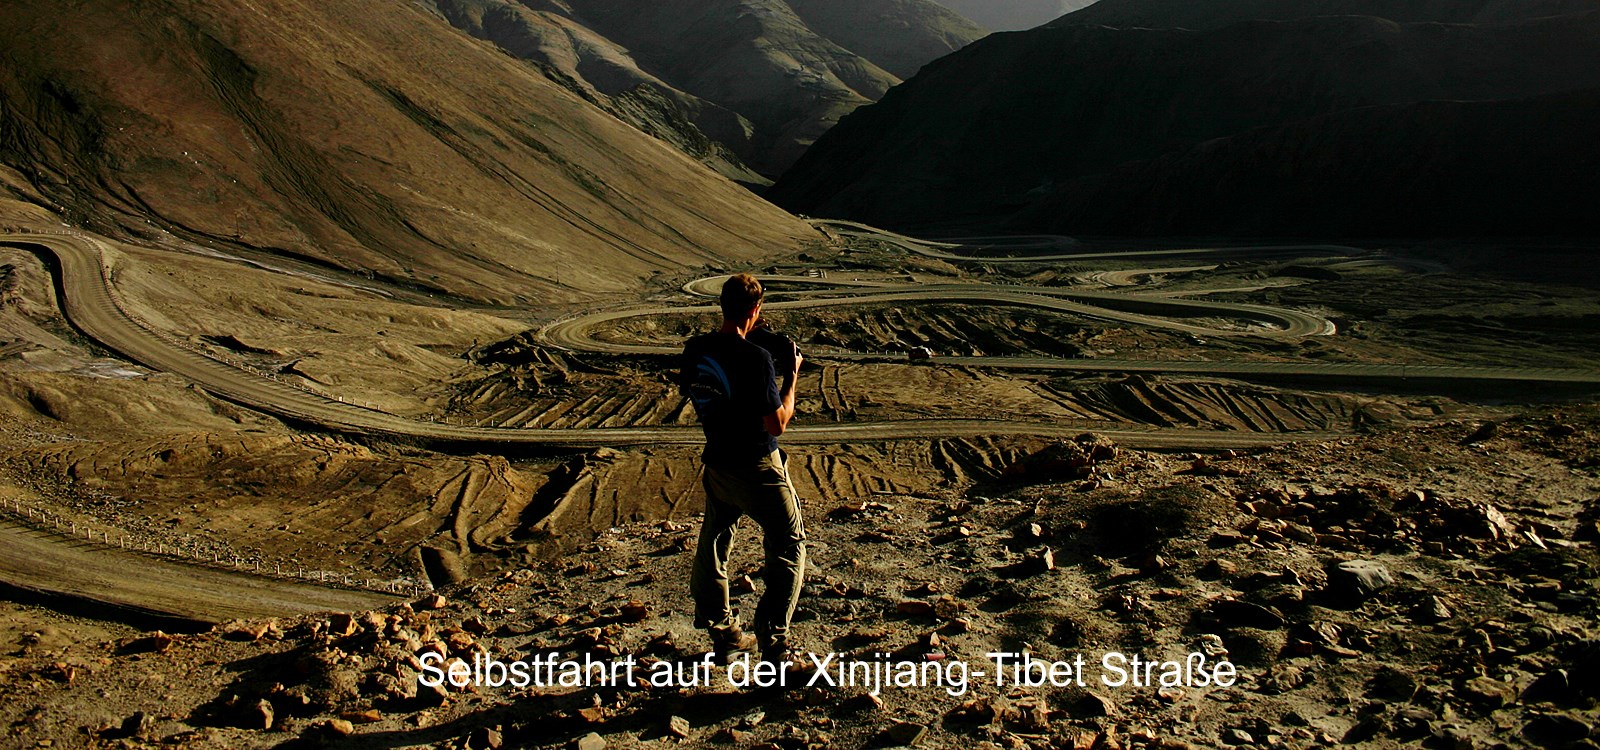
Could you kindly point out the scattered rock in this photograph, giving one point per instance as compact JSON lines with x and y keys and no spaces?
{"x":1556,"y":730}
{"x":635,"y":611}
{"x":914,"y":608}
{"x":1356,"y":581}
{"x":153,"y":643}
{"x":140,"y":724}
{"x":1432,"y":610}
{"x":486,"y":738}
{"x":246,"y":631}
{"x":337,"y":728}
{"x":864,"y":702}
{"x":905,"y":734}
{"x":1391,"y":684}
{"x":257,"y":715}
{"x":590,"y":741}
{"x":1553,"y":686}
{"x":1218,"y":569}
{"x":1453,"y":738}
{"x":1489,"y":692}
{"x":678,"y":726}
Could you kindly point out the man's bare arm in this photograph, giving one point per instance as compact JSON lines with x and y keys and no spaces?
{"x":778,"y":421}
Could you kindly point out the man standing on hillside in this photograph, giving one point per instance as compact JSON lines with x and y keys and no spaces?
{"x":731,"y":382}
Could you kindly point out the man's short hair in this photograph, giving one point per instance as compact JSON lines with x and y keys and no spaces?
{"x":740,"y":294}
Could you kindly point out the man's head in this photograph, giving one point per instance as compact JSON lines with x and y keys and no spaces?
{"x":741,"y":295}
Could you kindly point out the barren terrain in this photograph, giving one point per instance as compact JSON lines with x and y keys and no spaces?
{"x":331,"y":435}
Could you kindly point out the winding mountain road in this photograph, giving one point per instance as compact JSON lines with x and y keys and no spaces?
{"x":88,"y":299}
{"x":90,"y":305}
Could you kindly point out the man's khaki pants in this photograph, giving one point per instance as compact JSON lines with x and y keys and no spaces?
{"x":764,"y":493}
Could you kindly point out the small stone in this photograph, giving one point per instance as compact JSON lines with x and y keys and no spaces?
{"x":1365,"y":730}
{"x":340,"y":625}
{"x":432,"y":696}
{"x":338,"y":727}
{"x":474,"y":625}
{"x":1358,"y":580}
{"x":1218,"y":569}
{"x":154,"y":643}
{"x":1390,"y":684}
{"x":905,"y":734}
{"x":138,"y":725}
{"x":678,"y":726}
{"x":914,"y":608}
{"x":486,"y":738}
{"x":1490,"y":693}
{"x":432,"y":601}
{"x":1453,"y":738}
{"x":635,"y":611}
{"x":753,"y":719}
{"x":1554,"y":685}
{"x":590,"y":741}
{"x":245,"y":631}
{"x":369,"y":716}
{"x":1556,"y":730}
{"x":1432,"y":610}
{"x":1045,"y":561}
{"x":864,"y":702}
{"x":1238,"y":737}
{"x":258,"y":715}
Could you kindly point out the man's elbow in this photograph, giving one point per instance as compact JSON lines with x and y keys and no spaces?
{"x":774,"y":425}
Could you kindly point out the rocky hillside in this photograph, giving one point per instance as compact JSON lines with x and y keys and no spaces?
{"x":363,"y":135}
{"x":1186,"y":14}
{"x":760,"y":79}
{"x":1011,"y":128}
{"x":1342,"y":174}
{"x":1013,"y":15}
{"x":1433,"y":587}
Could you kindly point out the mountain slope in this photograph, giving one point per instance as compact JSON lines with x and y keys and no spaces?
{"x":1344,"y":174}
{"x":361,"y":134}
{"x":899,"y":36}
{"x":1000,"y":125}
{"x":1013,"y":15}
{"x":762,"y":77}
{"x":1212,"y":14}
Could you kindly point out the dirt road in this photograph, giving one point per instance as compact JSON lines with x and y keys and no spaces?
{"x":38,"y":561}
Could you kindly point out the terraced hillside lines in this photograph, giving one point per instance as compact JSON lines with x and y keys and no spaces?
{"x":1046,"y":248}
{"x":1206,"y":404}
{"x":834,"y":400}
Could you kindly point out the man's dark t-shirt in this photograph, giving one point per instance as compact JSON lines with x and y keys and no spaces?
{"x":733,"y":387}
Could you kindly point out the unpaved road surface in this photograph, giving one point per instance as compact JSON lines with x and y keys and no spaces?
{"x":39,"y":561}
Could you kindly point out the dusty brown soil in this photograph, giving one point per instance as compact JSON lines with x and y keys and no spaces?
{"x":1488,"y":538}
{"x":101,"y":442}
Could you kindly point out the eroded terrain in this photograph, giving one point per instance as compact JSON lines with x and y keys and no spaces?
{"x":1381,"y":468}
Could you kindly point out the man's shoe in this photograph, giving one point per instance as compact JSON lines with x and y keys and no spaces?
{"x":778,"y":652}
{"x":729,"y":640}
